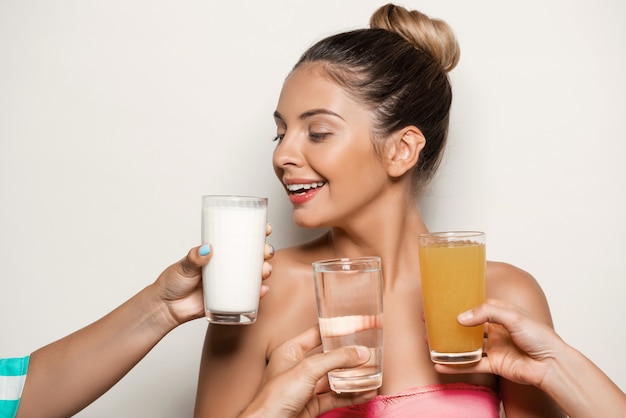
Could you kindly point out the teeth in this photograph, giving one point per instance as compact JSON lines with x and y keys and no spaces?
{"x":296,"y":187}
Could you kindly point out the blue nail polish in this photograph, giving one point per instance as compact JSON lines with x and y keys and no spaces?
{"x":204,"y":250}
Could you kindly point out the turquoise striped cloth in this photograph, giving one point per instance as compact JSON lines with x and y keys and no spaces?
{"x":12,"y":377}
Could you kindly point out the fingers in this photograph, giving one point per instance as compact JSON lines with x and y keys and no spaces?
{"x":264,"y":290}
{"x":293,"y":392}
{"x":267,"y":270}
{"x":296,"y":348}
{"x":494,"y":311}
{"x":267,"y":267}
{"x":196,"y":258}
{"x":290,"y":353}
{"x":200,"y":256}
{"x":268,"y":251}
{"x":318,"y":365}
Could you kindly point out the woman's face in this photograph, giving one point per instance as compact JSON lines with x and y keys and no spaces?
{"x":324,"y":156}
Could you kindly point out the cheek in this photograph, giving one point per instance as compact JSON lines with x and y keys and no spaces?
{"x":360,"y":161}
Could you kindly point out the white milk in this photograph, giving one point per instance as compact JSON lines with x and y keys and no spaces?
{"x":232,"y":279}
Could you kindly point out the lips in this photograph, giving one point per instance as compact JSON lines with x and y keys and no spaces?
{"x":300,"y":193}
{"x":303,"y":187}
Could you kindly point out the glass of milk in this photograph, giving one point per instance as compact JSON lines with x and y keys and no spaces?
{"x":235,"y":228}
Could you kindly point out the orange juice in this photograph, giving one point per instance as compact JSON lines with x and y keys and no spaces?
{"x":453,"y":281}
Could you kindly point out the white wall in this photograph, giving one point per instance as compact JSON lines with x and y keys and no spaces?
{"x":115,"y":117}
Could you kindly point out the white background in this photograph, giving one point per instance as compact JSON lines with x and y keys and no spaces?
{"x":115,"y":117}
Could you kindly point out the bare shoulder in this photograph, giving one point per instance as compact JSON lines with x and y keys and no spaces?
{"x":289,"y":307}
{"x":290,"y":265}
{"x":510,"y":283}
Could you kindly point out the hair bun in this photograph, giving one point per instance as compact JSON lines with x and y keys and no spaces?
{"x":433,"y":36}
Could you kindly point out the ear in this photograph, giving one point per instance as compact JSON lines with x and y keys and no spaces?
{"x":403,"y":150}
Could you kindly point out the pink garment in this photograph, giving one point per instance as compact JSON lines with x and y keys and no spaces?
{"x":453,"y":400}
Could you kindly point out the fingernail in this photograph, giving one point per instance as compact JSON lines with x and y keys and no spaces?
{"x":271,"y":249}
{"x":465,"y":316}
{"x":204,"y":250}
{"x":364,"y":352}
{"x":265,"y":288}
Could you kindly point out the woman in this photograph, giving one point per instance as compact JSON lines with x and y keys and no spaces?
{"x":361,"y":124}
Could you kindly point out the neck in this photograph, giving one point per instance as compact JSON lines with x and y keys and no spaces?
{"x":393,"y":238}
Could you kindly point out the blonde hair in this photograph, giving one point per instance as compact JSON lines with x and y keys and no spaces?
{"x":431,"y":35}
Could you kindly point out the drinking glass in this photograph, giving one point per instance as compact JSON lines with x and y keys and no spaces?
{"x":452,"y":268}
{"x":350,"y":312}
{"x":235,"y":227}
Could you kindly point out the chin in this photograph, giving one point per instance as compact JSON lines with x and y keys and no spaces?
{"x":304,"y":221}
{"x":307,"y":225}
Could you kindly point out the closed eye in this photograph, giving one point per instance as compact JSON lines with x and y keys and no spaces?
{"x":319,"y":136}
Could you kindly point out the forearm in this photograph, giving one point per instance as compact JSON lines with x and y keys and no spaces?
{"x":231,"y":370}
{"x":582,"y":389}
{"x":67,"y":375}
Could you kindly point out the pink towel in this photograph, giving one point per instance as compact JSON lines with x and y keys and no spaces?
{"x":453,"y":400}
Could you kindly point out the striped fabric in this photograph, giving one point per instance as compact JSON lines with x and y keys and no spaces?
{"x":12,"y":377}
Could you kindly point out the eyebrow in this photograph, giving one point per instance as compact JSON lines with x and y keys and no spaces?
{"x":310,"y":113}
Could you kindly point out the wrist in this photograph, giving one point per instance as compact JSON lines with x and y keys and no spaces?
{"x":567,"y":383}
{"x":253,"y":412}
{"x":557,"y":372}
{"x":259,"y":407}
{"x":157,"y":310}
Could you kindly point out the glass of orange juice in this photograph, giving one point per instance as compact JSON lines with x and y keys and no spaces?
{"x":452,"y":268}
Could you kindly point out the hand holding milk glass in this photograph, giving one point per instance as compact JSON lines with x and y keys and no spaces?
{"x":235,"y":227}
{"x":452,"y":267}
{"x":350,"y":312}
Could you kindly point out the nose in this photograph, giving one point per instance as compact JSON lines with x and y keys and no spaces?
{"x":288,"y":152}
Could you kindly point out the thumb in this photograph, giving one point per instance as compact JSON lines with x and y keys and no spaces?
{"x":196,"y":258}
{"x":343,"y":357}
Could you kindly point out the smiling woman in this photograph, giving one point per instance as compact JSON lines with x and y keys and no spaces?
{"x":321,"y":131}
{"x":362,"y":121}
{"x":115,"y":117}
